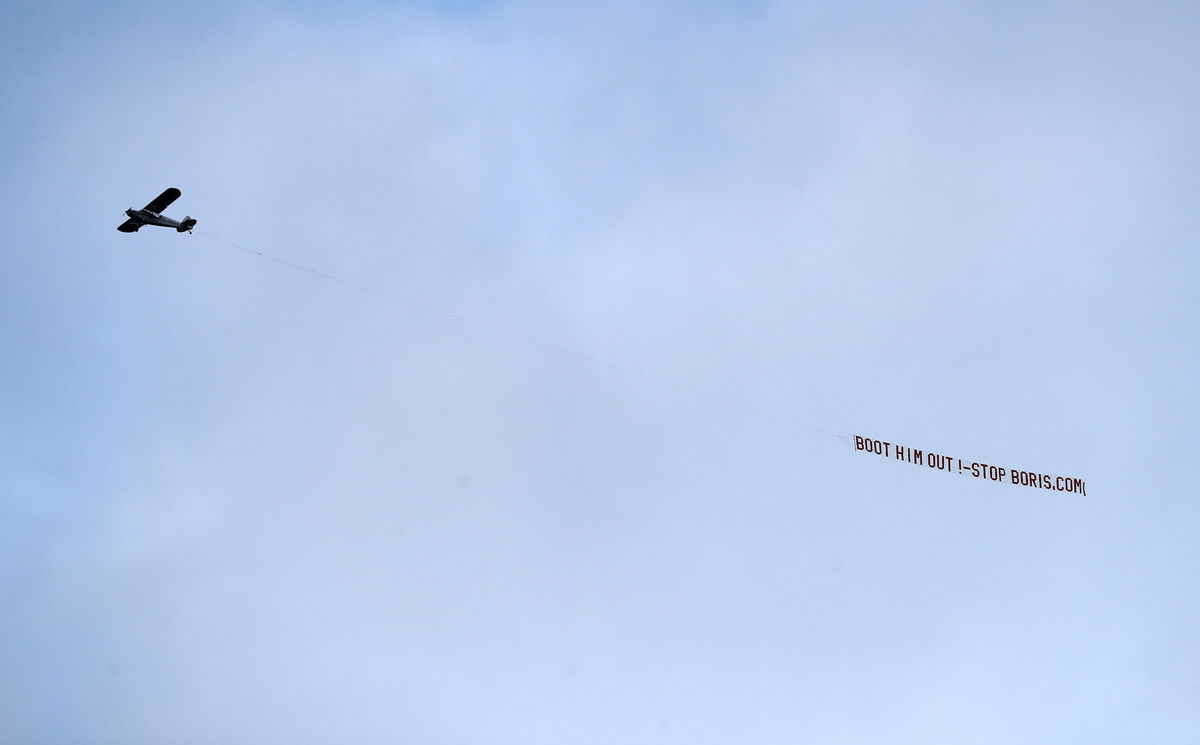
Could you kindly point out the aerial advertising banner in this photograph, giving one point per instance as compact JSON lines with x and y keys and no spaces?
{"x":975,"y":469}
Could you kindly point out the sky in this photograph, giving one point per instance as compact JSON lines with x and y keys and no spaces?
{"x":248,"y":503}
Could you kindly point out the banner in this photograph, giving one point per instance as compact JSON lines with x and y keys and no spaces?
{"x":975,"y":469}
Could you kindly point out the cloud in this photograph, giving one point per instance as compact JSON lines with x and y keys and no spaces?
{"x":251,"y":504}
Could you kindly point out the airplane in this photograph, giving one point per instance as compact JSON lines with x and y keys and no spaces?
{"x":150,"y":215}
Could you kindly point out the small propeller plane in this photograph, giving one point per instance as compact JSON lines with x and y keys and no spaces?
{"x":151,"y":214}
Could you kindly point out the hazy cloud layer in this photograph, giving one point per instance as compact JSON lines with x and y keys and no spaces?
{"x":245,"y":503}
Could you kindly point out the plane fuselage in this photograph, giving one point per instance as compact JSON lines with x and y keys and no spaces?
{"x":146,"y":217}
{"x":153,"y":218}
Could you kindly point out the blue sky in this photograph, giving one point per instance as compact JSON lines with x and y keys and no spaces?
{"x":244,"y":503}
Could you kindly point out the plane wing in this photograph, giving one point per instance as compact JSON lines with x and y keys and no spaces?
{"x":162,"y":201}
{"x":131,"y":225}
